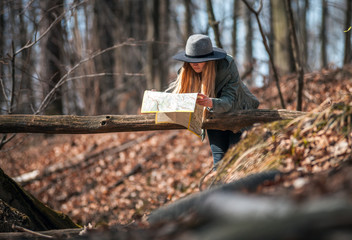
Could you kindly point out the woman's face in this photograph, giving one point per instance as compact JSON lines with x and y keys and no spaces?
{"x":197,"y":67}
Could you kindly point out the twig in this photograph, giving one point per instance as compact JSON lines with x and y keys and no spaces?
{"x":200,"y":184}
{"x":5,"y":140}
{"x":56,"y":21}
{"x":13,"y":58}
{"x":22,"y":229}
{"x":105,"y":74}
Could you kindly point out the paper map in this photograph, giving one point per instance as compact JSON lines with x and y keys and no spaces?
{"x":174,"y":108}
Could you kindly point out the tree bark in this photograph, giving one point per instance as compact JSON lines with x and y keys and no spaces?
{"x":213,"y":23}
{"x":323,"y":33}
{"x":249,"y":45}
{"x":281,"y":41}
{"x":2,"y":48}
{"x":296,"y":55}
{"x":348,"y":21}
{"x":236,"y":13}
{"x":105,"y":25}
{"x":303,"y":25}
{"x":52,"y":52}
{"x":188,"y":19}
{"x":153,"y":36}
{"x":272,"y":62}
{"x":68,"y":124}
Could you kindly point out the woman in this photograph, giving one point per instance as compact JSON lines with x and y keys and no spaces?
{"x":213,"y":74}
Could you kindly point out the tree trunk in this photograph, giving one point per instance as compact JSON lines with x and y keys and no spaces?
{"x":52,"y":48}
{"x":236,"y":13}
{"x":25,"y":100}
{"x":348,"y":22}
{"x":156,"y":48}
{"x":213,"y":23}
{"x":68,"y":124}
{"x":188,"y":19}
{"x":40,"y":216}
{"x":249,"y":44}
{"x":272,"y":60}
{"x":2,"y":48}
{"x":296,"y":54}
{"x":164,"y":55}
{"x":303,"y":25}
{"x":104,"y":24}
{"x":281,"y":41}
{"x":323,"y":34}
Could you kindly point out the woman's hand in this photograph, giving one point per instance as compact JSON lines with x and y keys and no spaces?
{"x":204,"y":100}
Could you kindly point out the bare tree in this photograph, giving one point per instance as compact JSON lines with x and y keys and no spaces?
{"x":157,"y":47}
{"x":188,"y":18}
{"x":348,"y":22}
{"x":213,"y":23}
{"x":323,"y":34}
{"x":24,"y":98}
{"x":52,"y":56}
{"x":272,"y":63}
{"x":249,"y":44}
{"x":304,"y":33}
{"x":153,"y":35}
{"x":296,"y":54}
{"x":164,"y":42}
{"x":2,"y":47}
{"x":281,"y":44}
{"x":105,"y":23}
{"x":236,"y":13}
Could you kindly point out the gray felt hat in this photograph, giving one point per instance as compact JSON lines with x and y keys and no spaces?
{"x":200,"y":49}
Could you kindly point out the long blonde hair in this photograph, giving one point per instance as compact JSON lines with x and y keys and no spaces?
{"x":188,"y":81}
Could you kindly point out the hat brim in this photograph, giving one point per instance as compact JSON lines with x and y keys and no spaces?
{"x":217,"y":54}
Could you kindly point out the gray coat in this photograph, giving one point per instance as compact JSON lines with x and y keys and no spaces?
{"x":231,"y":93}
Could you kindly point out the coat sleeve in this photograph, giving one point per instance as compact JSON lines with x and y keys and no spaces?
{"x":228,"y":93}
{"x":234,"y":95}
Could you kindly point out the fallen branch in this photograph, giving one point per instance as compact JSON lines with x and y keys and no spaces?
{"x":68,"y":124}
{"x":58,"y":234}
{"x":37,"y":234}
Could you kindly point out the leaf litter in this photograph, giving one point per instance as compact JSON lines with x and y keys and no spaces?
{"x":109,"y":186}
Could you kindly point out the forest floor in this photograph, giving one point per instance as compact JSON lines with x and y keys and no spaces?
{"x":118,"y":178}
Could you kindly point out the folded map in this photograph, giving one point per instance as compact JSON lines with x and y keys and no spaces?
{"x":174,"y":108}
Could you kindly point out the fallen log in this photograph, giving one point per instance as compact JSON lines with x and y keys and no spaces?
{"x":40,"y":216}
{"x":69,"y":124}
